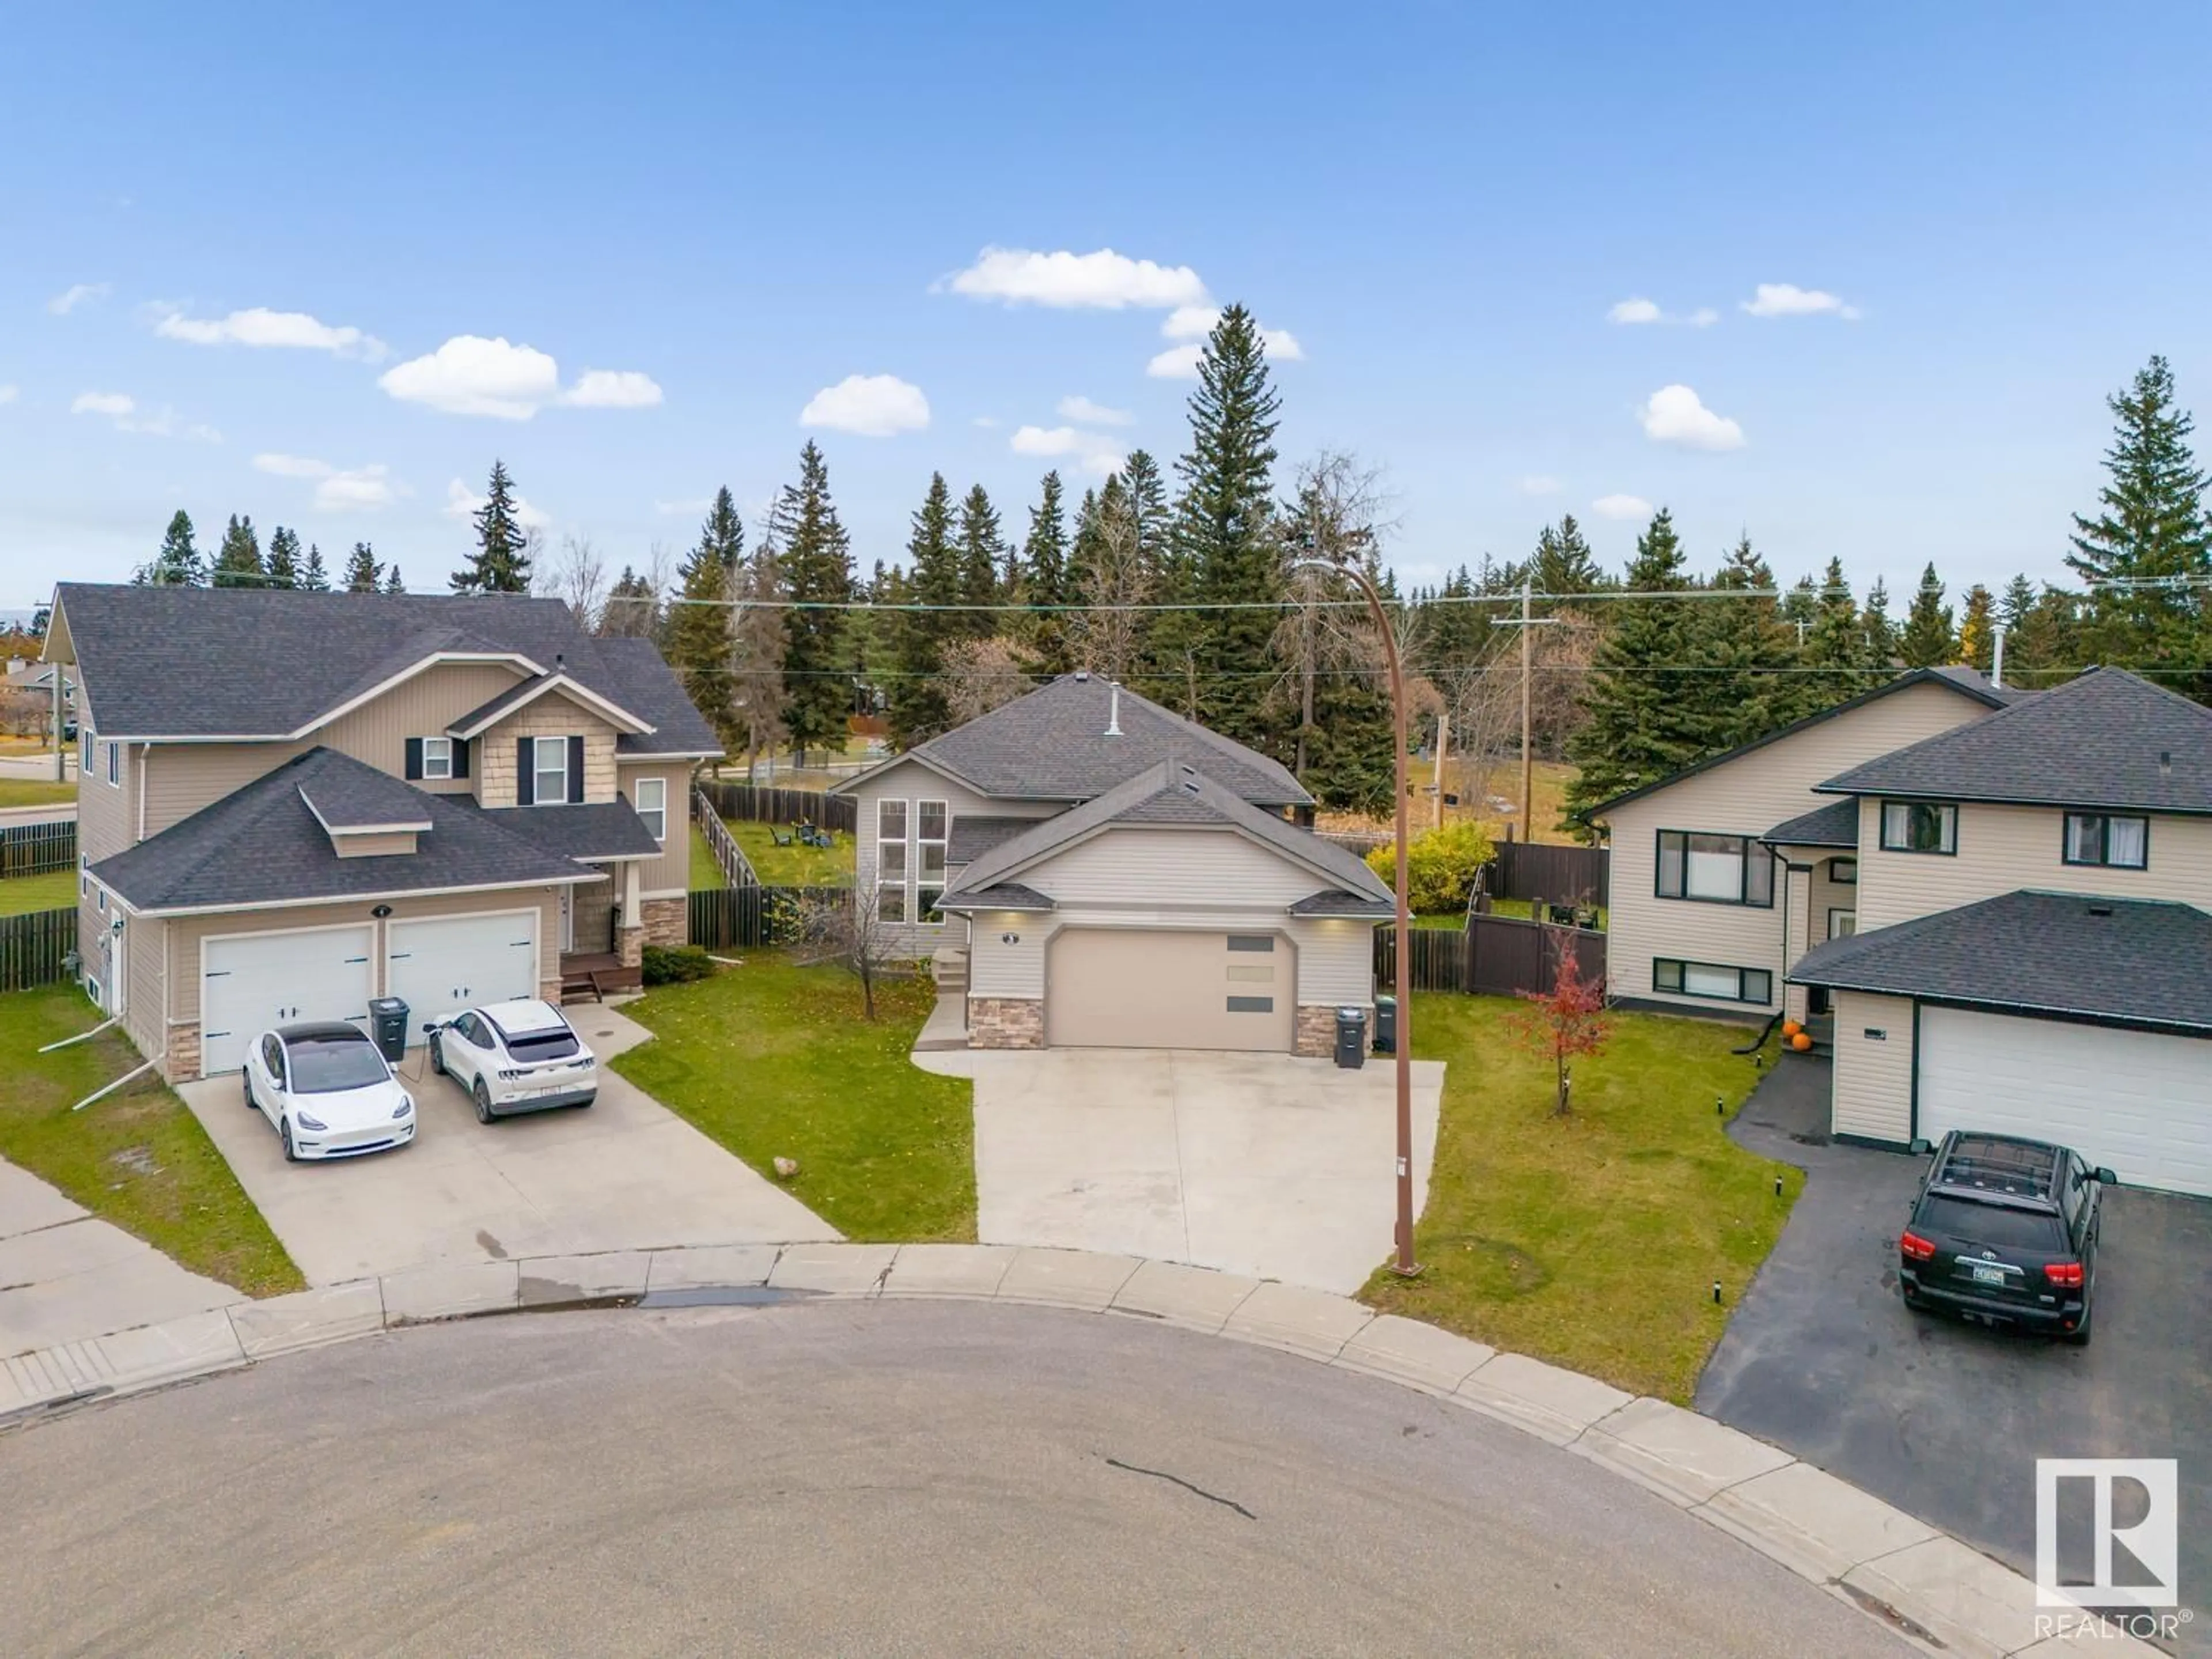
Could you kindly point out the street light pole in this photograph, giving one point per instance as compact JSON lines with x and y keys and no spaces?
{"x":1403,"y":1055}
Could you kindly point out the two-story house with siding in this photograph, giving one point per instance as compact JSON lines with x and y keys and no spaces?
{"x":1088,"y":869}
{"x":2033,"y":948}
{"x":291,"y":802}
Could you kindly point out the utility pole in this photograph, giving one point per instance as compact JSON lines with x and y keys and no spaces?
{"x":1526,"y":623}
{"x":1443,"y":743}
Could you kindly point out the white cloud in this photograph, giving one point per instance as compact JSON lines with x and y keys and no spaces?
{"x":1703,"y":317}
{"x":82,"y":294}
{"x":292,"y":466}
{"x":1104,"y":280}
{"x":337,"y":490}
{"x":1191,"y":322}
{"x":868,"y":406}
{"x":1539,"y":484}
{"x":684,"y":509}
{"x":1282,"y":345}
{"x":1079,"y":408}
{"x":1675,"y":415}
{"x":1621,"y":507}
{"x":1180,"y":363}
{"x":121,"y":409}
{"x":609,"y":388}
{"x":985,"y":421}
{"x":461,"y":501}
{"x":1634,"y":311}
{"x":1096,"y":452}
{"x":1788,"y":299}
{"x":9,"y":393}
{"x":115,"y":405}
{"x":260,"y":326}
{"x":472,"y":375}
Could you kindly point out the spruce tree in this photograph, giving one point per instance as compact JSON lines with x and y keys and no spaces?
{"x":699,"y":630}
{"x":2016,"y":601}
{"x":1564,"y":562}
{"x":362,"y":573}
{"x":178,"y":563}
{"x":1044,"y":578}
{"x":1748,"y":648}
{"x":392,"y":582}
{"x":817,"y":562}
{"x":917,"y":710}
{"x":1976,"y":644}
{"x":238,"y":561}
{"x":1928,"y":637}
{"x":1879,"y":632}
{"x":633,"y":609}
{"x":2146,"y":555}
{"x":283,"y":558}
{"x":2045,"y":646}
{"x":982,"y":549}
{"x":1835,"y":661}
{"x":500,"y":563}
{"x":1643,"y":698}
{"x":1223,"y":532}
{"x":313,"y":576}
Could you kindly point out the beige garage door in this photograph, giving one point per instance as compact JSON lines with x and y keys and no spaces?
{"x":1134,"y":988}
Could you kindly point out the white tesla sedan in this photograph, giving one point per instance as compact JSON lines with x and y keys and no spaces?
{"x":328,"y":1091}
{"x":519,"y":1056}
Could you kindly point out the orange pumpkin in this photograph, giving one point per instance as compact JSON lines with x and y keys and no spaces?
{"x":1802,"y":1042}
{"x":1790,"y":1027}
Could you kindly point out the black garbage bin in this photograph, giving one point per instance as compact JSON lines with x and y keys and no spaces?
{"x":1386,"y":1025}
{"x":387,"y":1024}
{"x":1351,"y":1038}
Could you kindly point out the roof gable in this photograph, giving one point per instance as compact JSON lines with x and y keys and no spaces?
{"x":2105,"y":739}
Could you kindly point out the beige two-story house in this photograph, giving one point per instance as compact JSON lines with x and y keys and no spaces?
{"x":1091,"y":869}
{"x":292,"y":803}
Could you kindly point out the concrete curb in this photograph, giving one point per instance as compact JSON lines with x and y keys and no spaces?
{"x":1931,"y":1590}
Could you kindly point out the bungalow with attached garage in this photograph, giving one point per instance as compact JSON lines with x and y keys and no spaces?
{"x":291,"y":802}
{"x":1088,"y":869}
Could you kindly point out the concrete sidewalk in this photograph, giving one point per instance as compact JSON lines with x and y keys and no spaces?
{"x":65,"y":1276}
{"x":1930,"y":1590}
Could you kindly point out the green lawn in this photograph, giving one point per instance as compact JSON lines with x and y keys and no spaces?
{"x":774,"y":1060}
{"x":33,"y":792}
{"x":1504,"y":906}
{"x":54,"y":891}
{"x":793,"y":865}
{"x":138,"y":1159}
{"x":1592,"y":1241}
{"x":705,"y":873}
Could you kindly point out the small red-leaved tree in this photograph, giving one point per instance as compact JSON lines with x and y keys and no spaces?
{"x":1565,"y":1021}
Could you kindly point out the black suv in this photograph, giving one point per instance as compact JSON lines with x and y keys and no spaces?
{"x":2005,"y":1230}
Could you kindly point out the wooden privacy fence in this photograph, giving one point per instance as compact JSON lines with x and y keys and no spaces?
{"x":729,"y":857}
{"x":758,"y":804}
{"x":729,"y":918}
{"x":1496,"y":956}
{"x":32,"y":849}
{"x":1563,"y":873}
{"x":32,"y":947}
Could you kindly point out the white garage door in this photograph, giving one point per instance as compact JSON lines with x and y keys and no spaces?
{"x":2138,"y":1102}
{"x":440,"y":965}
{"x":250,"y":981}
{"x":1139,"y":988}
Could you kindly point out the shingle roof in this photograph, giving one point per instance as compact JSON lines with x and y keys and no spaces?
{"x":526,"y":691}
{"x":2141,"y":962}
{"x":261,"y":845}
{"x":601,"y":830}
{"x":1003,"y":896}
{"x":1171,"y":792}
{"x":1835,"y":824}
{"x":194,"y":662}
{"x":973,"y":837}
{"x":361,"y":798}
{"x":2096,"y":740}
{"x":1052,"y":745}
{"x":1964,"y":681}
{"x":1337,"y":903}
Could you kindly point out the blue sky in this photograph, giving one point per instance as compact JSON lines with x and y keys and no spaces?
{"x":705,"y":216}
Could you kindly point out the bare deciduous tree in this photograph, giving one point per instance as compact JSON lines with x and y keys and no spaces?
{"x":577,"y":576}
{"x":844,"y":927}
{"x":756,"y":646}
{"x":1338,"y":517}
{"x":1108,"y":634}
{"x":979,"y":675}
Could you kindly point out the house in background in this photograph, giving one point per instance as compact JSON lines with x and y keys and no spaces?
{"x":1091,"y":870}
{"x":289,"y":803}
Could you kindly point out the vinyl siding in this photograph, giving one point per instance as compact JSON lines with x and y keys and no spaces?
{"x":1132,"y":864}
{"x":182,"y":778}
{"x":142,"y":1005}
{"x":911,"y":782}
{"x":106,"y":814}
{"x":1873,"y":1078}
{"x":185,"y":933}
{"x":1335,"y":958}
{"x":671,"y":871}
{"x":551,"y":716}
{"x":2002,"y":850}
{"x":382,"y":845}
{"x":1746,"y":796}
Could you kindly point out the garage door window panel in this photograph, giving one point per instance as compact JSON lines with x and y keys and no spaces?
{"x":1714,"y":869}
{"x":2113,"y":842}
{"x":1251,"y":1005}
{"x":1919,"y":826}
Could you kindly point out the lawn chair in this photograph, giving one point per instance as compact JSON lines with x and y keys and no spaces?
{"x":781,"y":840}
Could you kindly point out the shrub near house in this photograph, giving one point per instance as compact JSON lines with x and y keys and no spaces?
{"x":1441,"y":866}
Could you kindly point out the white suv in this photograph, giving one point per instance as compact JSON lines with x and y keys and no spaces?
{"x":520,"y":1056}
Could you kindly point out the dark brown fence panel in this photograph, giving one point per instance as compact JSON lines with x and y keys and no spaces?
{"x":1561,"y":872}
{"x":732,"y":918}
{"x":33,"y":849}
{"x":1496,"y":956}
{"x":32,"y":948}
{"x":758,"y":804}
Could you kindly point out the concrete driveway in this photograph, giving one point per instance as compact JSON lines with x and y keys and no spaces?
{"x":1944,"y":1418}
{"x":1253,"y":1163}
{"x":625,"y":1174}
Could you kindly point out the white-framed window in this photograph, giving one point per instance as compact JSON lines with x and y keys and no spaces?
{"x":2103,"y":838}
{"x":892,"y":868}
{"x":84,"y":881}
{"x":115,"y":764}
{"x":933,"y":828}
{"x":1919,"y":826}
{"x":437,"y":758}
{"x":549,"y":769}
{"x":1709,"y":980}
{"x":102,"y":901}
{"x":1842,"y":924}
{"x":84,"y":740}
{"x":1714,"y":869}
{"x":651,"y":806}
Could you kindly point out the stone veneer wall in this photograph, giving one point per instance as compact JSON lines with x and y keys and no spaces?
{"x":629,"y":946}
{"x":181,"y":1064}
{"x":667,"y":921}
{"x":1315,"y":1035}
{"x":1005,"y":1022}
